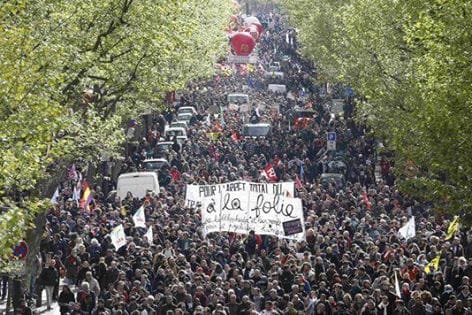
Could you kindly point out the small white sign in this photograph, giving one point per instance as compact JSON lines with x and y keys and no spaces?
{"x":331,"y":141}
{"x":331,"y":145}
{"x":118,"y":237}
{"x":242,"y":59}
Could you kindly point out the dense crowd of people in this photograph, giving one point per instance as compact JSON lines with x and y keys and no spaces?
{"x":352,"y":254}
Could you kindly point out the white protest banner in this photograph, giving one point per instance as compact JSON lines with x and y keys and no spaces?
{"x":397,"y":286}
{"x":408,"y":230}
{"x":149,"y":235}
{"x":139,"y":218}
{"x":242,"y":59}
{"x":277,"y":215}
{"x":118,"y":237}
{"x":55,"y":197}
{"x":222,"y":207}
{"x":242,"y":206}
{"x":191,"y":196}
{"x":195,"y":194}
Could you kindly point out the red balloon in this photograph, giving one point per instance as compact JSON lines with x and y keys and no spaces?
{"x":259,"y":26}
{"x":243,"y":43}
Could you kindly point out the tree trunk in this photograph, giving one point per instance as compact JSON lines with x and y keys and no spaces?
{"x":34,"y":235}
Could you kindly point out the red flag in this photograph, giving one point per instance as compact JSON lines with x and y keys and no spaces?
{"x":270,"y":173}
{"x":217,"y":127}
{"x":235,"y":136}
{"x":243,"y":69}
{"x":258,"y":240}
{"x":175,"y":174}
{"x":298,"y":182}
{"x":366,"y":201}
{"x":301,"y":123}
{"x":277,"y":161}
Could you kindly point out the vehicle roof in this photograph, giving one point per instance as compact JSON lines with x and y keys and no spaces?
{"x":165,"y":142}
{"x":237,"y":94}
{"x":257,"y":125}
{"x":137,"y":174}
{"x":304,"y":110}
{"x":155,"y":160}
{"x":332,"y":175}
{"x":175,"y":128}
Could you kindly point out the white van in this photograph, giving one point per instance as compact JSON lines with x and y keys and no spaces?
{"x":256,"y":130}
{"x":274,"y":75}
{"x":238,"y":98}
{"x":137,"y":184}
{"x":175,"y":131}
{"x":187,"y":110}
{"x":277,"y":88}
{"x":275,"y":66}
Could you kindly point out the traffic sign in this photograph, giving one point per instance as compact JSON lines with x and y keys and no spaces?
{"x":331,"y":141}
{"x":21,"y":250}
{"x":332,"y":136}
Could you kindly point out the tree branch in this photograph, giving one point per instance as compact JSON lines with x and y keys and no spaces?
{"x":112,"y":105}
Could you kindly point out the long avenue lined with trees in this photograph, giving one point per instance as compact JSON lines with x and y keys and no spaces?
{"x":222,"y":157}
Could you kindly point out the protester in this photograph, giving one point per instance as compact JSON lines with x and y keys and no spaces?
{"x":66,"y":298}
{"x":48,"y":279}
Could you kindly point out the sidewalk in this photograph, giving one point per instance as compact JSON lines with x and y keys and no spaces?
{"x":40,"y":310}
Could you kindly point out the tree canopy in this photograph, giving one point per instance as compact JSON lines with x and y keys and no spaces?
{"x":74,"y":72}
{"x":410,"y":62}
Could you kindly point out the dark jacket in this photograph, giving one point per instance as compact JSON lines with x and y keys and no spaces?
{"x":65,"y":297}
{"x":48,"y":277}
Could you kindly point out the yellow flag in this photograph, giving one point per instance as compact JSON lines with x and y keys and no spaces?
{"x":433,"y":265}
{"x":453,"y":228}
{"x":213,"y":136}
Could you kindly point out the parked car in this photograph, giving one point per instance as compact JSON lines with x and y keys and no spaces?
{"x":175,"y":131}
{"x":337,"y":167}
{"x":164,"y":147}
{"x":181,"y":140}
{"x":274,"y":75}
{"x":256,"y":130}
{"x":238,"y":98}
{"x":187,"y":110}
{"x":155,"y":165}
{"x":336,"y":178}
{"x":304,"y":113}
{"x":302,"y":117}
{"x":277,"y":88}
{"x":187,"y":117}
{"x":179,"y":123}
{"x":275,"y":66}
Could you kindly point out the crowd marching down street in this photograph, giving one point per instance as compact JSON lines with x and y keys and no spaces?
{"x":274,"y":202}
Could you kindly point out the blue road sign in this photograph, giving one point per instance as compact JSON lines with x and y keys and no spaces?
{"x":331,"y":136}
